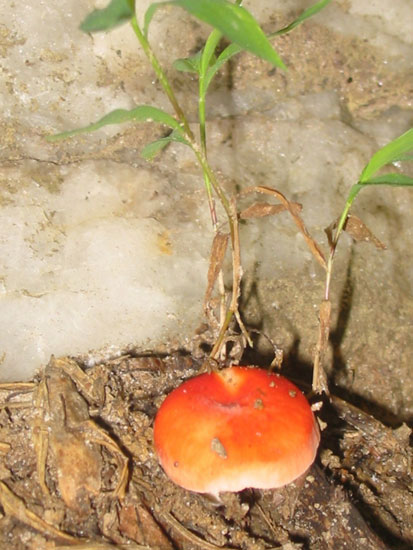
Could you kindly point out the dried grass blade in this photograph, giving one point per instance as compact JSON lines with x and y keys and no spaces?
{"x":104,"y":546}
{"x":294,"y":210}
{"x":236,"y":259}
{"x":260,"y":210}
{"x":358,"y":230}
{"x":14,"y":506}
{"x":174,"y":524}
{"x":236,"y":279}
{"x":218,"y":250}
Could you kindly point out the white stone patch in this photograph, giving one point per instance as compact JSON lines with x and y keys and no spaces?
{"x":80,"y":274}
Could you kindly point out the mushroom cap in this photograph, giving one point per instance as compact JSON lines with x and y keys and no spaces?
{"x":237,"y":428}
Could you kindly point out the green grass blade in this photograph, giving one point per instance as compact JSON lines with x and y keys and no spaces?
{"x":143,"y":113}
{"x":233,"y":49}
{"x":199,"y":62}
{"x":116,"y":13}
{"x":224,"y":56}
{"x":309,"y":12}
{"x":208,"y":52}
{"x":398,"y":180}
{"x":150,"y":150}
{"x":235,"y":22}
{"x":393,"y":151}
{"x":150,"y":12}
{"x":189,"y":64}
{"x":354,"y":191}
{"x":405,"y":157}
{"x":207,"y":58}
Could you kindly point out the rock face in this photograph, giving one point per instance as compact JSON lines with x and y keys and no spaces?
{"x":103,"y":251}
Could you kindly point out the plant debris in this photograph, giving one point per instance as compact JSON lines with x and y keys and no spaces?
{"x":78,"y":468}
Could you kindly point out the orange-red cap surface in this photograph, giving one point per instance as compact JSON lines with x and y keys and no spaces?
{"x":237,"y":428}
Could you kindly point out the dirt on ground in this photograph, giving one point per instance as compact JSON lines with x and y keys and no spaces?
{"x":78,"y":469}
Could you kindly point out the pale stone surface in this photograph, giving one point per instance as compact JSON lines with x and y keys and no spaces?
{"x":101,"y":250}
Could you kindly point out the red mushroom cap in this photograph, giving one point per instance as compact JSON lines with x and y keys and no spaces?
{"x":237,"y":428}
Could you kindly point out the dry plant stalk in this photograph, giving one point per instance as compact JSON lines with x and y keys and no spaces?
{"x":257,"y":210}
{"x":319,"y":376}
{"x":102,"y":546}
{"x":188,"y":535}
{"x":15,"y":507}
{"x":218,"y":251}
{"x":64,"y":427}
{"x":219,"y":247}
{"x":359,"y":232}
{"x":236,"y":281}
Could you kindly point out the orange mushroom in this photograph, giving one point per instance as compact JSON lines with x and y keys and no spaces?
{"x":237,"y":428}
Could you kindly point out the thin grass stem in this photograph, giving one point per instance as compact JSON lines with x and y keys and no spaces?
{"x":209,"y":177}
{"x":163,"y":79}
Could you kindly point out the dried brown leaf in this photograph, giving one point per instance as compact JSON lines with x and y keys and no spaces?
{"x":294,"y":209}
{"x":15,"y":506}
{"x":63,"y":427}
{"x":78,"y":466}
{"x":138,"y":524}
{"x":260,"y":210}
{"x":236,"y":260}
{"x":358,"y":230}
{"x":219,"y":248}
{"x":236,"y":283}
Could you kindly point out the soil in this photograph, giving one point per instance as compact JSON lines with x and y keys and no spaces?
{"x":79,"y":469}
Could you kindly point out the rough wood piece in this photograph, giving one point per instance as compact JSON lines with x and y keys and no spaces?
{"x":377,"y":464}
{"x":322,"y":515}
